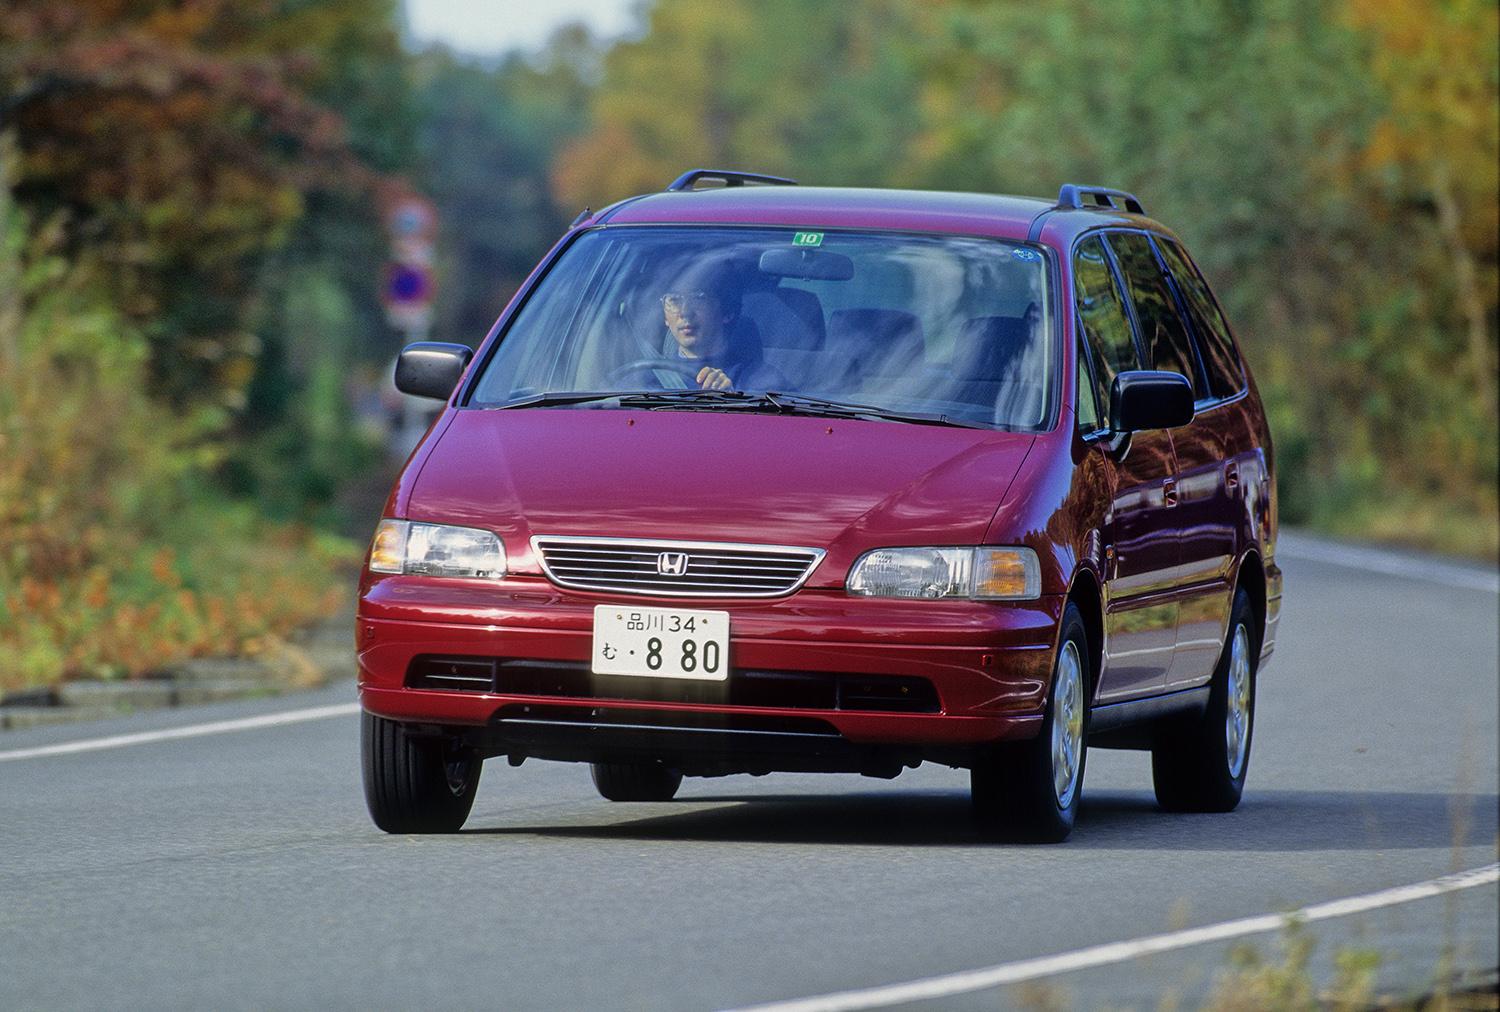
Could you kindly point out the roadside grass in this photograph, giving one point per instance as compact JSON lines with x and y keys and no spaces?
{"x":1285,"y":980}
{"x":227,"y":583}
{"x":1424,"y":523}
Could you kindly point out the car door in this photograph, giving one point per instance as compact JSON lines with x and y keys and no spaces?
{"x":1141,"y":546}
{"x":1225,"y":466}
{"x":1204,"y":528}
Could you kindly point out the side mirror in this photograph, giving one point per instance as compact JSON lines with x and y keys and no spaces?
{"x":1145,"y":399}
{"x":431,"y":368}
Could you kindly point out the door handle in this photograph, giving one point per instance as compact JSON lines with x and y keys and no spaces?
{"x":1231,"y":476}
{"x":1169,"y":491}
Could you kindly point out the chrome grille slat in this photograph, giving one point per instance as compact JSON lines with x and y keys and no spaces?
{"x":712,"y":569}
{"x":702,"y":578}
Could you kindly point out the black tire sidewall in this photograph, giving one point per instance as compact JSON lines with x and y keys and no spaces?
{"x":1072,"y":629}
{"x":1013,"y":792}
{"x":406,"y":780}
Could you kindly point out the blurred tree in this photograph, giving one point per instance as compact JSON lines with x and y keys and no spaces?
{"x":1437,"y":144}
{"x":193,"y":152}
{"x":178,"y":148}
{"x":488,"y":139}
{"x":819,"y":91}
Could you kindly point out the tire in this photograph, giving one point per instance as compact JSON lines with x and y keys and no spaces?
{"x":416,"y":785}
{"x":1029,"y":791}
{"x":1200,"y":765}
{"x":635,"y":781}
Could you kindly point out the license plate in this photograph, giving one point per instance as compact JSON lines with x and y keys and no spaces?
{"x":661,"y":642}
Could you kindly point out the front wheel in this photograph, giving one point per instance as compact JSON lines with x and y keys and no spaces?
{"x":416,"y":784}
{"x":1029,"y":790}
{"x":1200,"y":765}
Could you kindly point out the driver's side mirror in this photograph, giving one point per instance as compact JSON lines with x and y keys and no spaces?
{"x":1148,"y":399}
{"x":431,"y":368}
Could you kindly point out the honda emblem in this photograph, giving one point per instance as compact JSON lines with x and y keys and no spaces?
{"x":672,"y":563}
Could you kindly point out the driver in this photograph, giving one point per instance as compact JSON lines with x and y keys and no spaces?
{"x":702,"y":313}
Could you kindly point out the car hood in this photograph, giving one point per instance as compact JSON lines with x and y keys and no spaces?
{"x":840,"y":485}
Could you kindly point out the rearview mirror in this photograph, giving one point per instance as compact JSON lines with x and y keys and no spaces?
{"x":1146,"y":399}
{"x":806,"y":264}
{"x":431,"y":368}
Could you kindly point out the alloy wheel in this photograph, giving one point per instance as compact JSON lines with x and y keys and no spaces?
{"x":1067,"y":724}
{"x":1237,"y":708}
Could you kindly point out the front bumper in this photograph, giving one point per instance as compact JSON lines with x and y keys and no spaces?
{"x":988,"y":664}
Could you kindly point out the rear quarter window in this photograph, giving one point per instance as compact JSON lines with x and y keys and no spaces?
{"x":1163,"y":331}
{"x":1226,"y":376}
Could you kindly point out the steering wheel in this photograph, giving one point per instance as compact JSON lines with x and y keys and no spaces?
{"x":644,"y":366}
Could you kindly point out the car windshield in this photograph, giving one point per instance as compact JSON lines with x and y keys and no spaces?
{"x":947,"y":330}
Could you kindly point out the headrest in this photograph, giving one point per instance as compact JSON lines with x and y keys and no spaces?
{"x":990,"y":347}
{"x":787,"y":318}
{"x":881,"y":341}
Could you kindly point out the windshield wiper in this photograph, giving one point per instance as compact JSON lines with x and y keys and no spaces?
{"x":822,"y":408}
{"x":638,"y":398}
{"x":739,"y":400}
{"x":786,"y":404}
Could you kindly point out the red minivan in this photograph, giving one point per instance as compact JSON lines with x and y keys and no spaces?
{"x":752,"y":477}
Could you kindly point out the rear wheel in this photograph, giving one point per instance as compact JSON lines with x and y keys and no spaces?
{"x":636,"y":781}
{"x":416,"y":784}
{"x":1029,"y":790}
{"x":1200,"y":765}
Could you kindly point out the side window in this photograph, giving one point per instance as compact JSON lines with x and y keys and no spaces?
{"x":1226,"y":377}
{"x":1162,"y":330}
{"x":1101,"y":311}
{"x":1088,"y":405}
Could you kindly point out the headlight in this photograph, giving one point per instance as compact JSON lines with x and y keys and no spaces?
{"x":401,"y":546}
{"x":991,"y":574}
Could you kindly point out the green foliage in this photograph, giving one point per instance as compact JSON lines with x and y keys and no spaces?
{"x":821,"y":91}
{"x":488,"y":138}
{"x":118,"y":555}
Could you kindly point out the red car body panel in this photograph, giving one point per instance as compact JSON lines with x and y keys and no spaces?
{"x":834,"y":484}
{"x":1095,"y":519}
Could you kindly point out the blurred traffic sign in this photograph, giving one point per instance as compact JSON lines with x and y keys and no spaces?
{"x":412,"y":217}
{"x":407,"y":295}
{"x":406,"y":287}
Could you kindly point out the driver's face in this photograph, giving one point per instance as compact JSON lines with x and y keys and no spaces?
{"x":696,"y":320}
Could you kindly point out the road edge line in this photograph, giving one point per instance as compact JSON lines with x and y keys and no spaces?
{"x":188,"y":731}
{"x":967,"y":981}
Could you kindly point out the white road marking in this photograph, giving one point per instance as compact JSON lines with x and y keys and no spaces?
{"x":948,"y":985}
{"x":1376,"y":560}
{"x":190,"y":731}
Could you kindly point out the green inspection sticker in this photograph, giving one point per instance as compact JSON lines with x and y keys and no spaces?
{"x":807,"y":239}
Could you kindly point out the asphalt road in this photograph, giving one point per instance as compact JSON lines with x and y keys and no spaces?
{"x":239,"y":869}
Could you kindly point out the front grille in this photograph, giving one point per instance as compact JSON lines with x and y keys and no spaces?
{"x":675,"y":568}
{"x":786,"y":690}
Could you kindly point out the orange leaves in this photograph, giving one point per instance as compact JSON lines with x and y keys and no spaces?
{"x":163,"y":568}
{"x":183,"y":139}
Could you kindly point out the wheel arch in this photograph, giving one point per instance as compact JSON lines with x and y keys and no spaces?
{"x":1087,"y":593}
{"x":1251,"y":578}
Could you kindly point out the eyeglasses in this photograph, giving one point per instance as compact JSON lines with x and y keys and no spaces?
{"x":676,"y":302}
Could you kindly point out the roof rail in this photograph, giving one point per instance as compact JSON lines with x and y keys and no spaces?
{"x":689,"y":180}
{"x":1072,"y":196}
